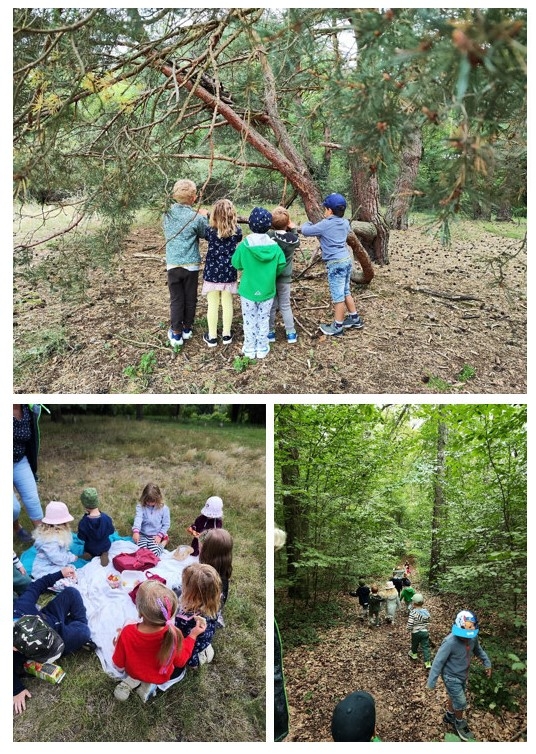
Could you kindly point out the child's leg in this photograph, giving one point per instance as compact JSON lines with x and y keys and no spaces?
{"x":190,"y":297}
{"x":226,"y":312}
{"x":262,"y":346}
{"x":176,"y":298}
{"x":248,"y":322}
{"x":213,"y":307}
{"x":283,"y":295}
{"x":273,"y":312}
{"x":67,"y":614}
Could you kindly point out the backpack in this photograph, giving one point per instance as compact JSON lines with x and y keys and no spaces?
{"x":36,"y":640}
{"x":139,"y":560}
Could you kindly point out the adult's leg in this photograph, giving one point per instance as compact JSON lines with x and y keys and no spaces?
{"x":25,"y":484}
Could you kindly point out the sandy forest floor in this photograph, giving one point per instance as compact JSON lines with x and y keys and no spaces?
{"x":357,"y":656}
{"x":437,"y":320}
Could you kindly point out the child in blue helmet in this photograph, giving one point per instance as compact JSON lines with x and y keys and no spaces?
{"x":332,"y":233}
{"x":452,"y":663}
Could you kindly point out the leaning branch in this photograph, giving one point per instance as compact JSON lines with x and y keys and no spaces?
{"x":75,"y":222}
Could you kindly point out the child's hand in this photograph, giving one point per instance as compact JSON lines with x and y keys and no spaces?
{"x":200,"y":626}
{"x":69,"y":572}
{"x":136,"y":537}
{"x":157,"y":539}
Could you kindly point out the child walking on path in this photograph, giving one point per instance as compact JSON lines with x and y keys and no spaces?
{"x":406,"y":595}
{"x":261,"y":260}
{"x":418,"y":624}
{"x":95,"y":528}
{"x":219,"y":275}
{"x":53,"y":540}
{"x":375,"y":604}
{"x":152,"y":520}
{"x":200,"y":596}
{"x":452,"y":663}
{"x":283,"y":232}
{"x":332,"y":233}
{"x":392,"y":602}
{"x":211,"y":517}
{"x":183,"y":227}
{"x":153,"y":652}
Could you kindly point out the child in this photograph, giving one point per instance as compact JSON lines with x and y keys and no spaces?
{"x":211,"y":518}
{"x":53,"y":540}
{"x":332,"y":232}
{"x":183,"y":227}
{"x":66,"y":616}
{"x":406,"y":596}
{"x":200,"y":595}
{"x":363,"y":593}
{"x":216,"y":549}
{"x":392,"y":602}
{"x":153,"y":652}
{"x":152,"y":520}
{"x":282,"y":232}
{"x":95,"y":528}
{"x":354,"y":718}
{"x":407,"y":569}
{"x":375,"y":603}
{"x":452,"y":662}
{"x":261,"y":260}
{"x":418,"y":624}
{"x":219,"y":275}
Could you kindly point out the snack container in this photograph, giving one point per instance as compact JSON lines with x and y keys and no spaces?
{"x":182,"y":552}
{"x":114,"y":580}
{"x":45,"y":670}
{"x":130,"y":579}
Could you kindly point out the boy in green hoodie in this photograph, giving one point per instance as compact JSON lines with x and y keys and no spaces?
{"x":261,"y":260}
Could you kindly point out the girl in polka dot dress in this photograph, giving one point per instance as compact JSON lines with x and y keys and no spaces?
{"x":219,"y":276}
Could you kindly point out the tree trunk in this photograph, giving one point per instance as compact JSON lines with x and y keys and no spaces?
{"x":295,"y":518}
{"x":399,"y":205}
{"x":366,"y":206}
{"x":439,"y":504}
{"x":139,"y":412}
{"x":504,"y":212}
{"x":55,"y":414}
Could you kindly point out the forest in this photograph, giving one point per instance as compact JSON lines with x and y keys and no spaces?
{"x":361,"y":489}
{"x":418,"y":116}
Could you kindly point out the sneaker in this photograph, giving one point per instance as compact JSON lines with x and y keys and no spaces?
{"x":262,"y":354}
{"x":413,"y":655}
{"x":174,"y":339}
{"x":292,"y":337}
{"x":24,"y":536}
{"x":353,"y":322}
{"x":247,"y":354}
{"x":146,"y":690}
{"x":332,"y":329}
{"x":271,"y":336}
{"x":227,"y":339}
{"x":427,"y":665}
{"x":186,"y":334}
{"x":123,"y":689}
{"x":104,"y":559}
{"x":89,"y":645}
{"x":462,"y":729}
{"x":211,"y":342}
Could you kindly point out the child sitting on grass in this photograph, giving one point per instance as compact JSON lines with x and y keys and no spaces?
{"x":153,"y":652}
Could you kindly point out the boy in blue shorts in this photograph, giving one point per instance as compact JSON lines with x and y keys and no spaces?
{"x":332,"y":233}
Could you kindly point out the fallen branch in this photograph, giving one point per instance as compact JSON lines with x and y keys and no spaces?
{"x":518,"y":734}
{"x":451,"y":296}
{"x":302,"y":326}
{"x":144,"y":345}
{"x":149,"y":256}
{"x":316,"y":259}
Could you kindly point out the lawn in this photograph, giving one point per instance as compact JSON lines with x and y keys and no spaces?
{"x":222,"y":701}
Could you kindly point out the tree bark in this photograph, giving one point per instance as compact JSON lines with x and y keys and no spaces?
{"x":366,"y":207}
{"x":439,"y":504}
{"x":399,"y":204}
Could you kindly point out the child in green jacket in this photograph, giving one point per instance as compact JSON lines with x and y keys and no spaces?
{"x":261,"y":260}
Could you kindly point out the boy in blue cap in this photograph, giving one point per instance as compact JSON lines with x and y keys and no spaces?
{"x":332,"y":233}
{"x":452,"y":662}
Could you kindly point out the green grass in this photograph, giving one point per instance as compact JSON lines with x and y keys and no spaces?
{"x":223,"y":701}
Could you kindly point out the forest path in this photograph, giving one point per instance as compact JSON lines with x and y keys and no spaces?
{"x":357,"y":656}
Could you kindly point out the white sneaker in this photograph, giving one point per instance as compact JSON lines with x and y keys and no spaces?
{"x":174,"y":340}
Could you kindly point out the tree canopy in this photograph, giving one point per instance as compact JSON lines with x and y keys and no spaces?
{"x":111,"y":105}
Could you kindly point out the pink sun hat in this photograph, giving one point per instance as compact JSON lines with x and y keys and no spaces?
{"x":57,"y":513}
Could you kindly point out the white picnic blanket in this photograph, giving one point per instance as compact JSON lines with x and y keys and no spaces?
{"x":110,"y":609}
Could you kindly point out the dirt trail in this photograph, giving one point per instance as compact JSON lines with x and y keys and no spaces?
{"x":357,"y":656}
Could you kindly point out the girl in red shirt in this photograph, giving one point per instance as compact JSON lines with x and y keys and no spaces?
{"x":153,"y":652}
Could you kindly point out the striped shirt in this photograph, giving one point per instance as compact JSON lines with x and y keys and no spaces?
{"x":419,"y":620}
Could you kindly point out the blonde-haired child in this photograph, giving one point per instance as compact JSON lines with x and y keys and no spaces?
{"x":52,"y":540}
{"x":219,"y":275}
{"x":183,"y":227}
{"x":153,"y":652}
{"x":200,"y":596}
{"x":152,"y":520}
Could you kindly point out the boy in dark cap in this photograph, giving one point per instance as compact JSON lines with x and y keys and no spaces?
{"x":332,"y":233}
{"x":95,"y":528}
{"x":354,"y":718}
{"x":261,"y":260}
